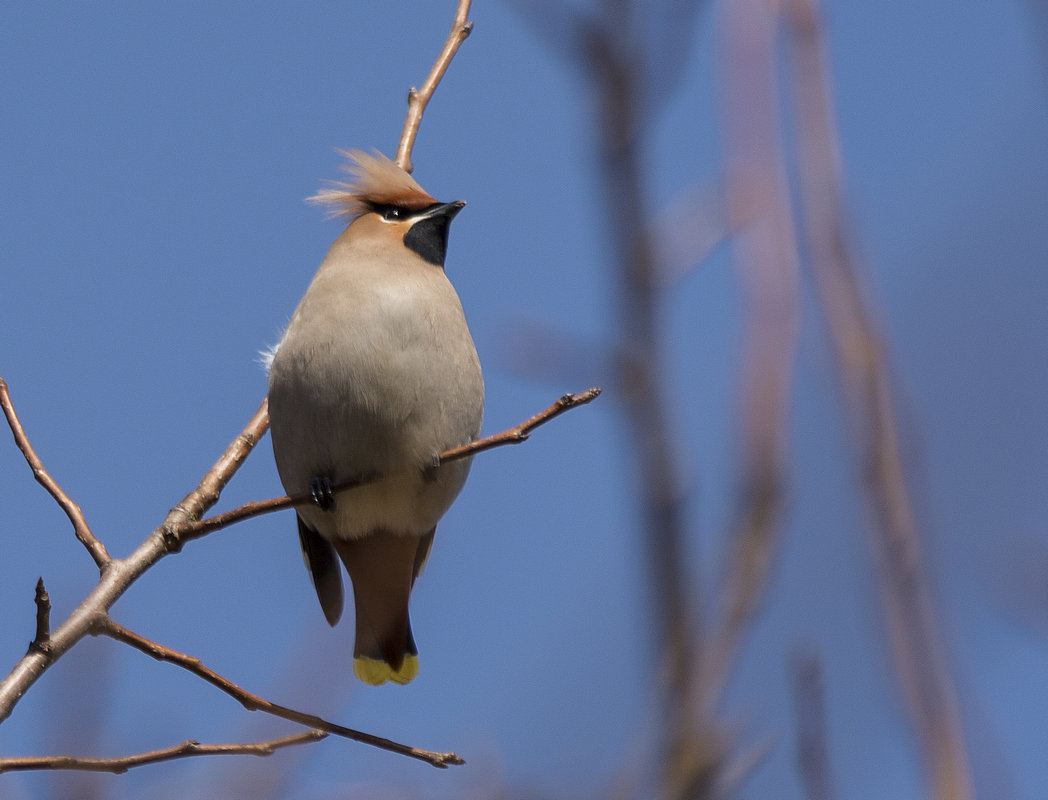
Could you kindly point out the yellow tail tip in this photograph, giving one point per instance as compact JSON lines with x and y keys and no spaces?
{"x":375,"y":672}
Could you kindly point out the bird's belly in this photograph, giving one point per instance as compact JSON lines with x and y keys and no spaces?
{"x":363,"y":425}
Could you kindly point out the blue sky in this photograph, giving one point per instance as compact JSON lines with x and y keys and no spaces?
{"x":154,"y":159}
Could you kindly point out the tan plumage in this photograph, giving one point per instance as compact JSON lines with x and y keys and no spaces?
{"x":376,"y":374}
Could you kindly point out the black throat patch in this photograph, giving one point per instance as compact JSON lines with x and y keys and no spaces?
{"x":429,"y":238}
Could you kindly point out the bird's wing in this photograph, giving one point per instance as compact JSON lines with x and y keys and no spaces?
{"x":324,"y":569}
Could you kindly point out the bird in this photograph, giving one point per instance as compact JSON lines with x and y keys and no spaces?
{"x":375,"y":375}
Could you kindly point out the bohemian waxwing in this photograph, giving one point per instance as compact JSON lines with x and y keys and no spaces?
{"x":376,"y":375}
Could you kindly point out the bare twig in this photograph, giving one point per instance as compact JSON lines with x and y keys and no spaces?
{"x":909,"y":611}
{"x":42,"y":640}
{"x":186,"y":749}
{"x":95,"y":548}
{"x":515,"y":435}
{"x":418,"y":99}
{"x":521,"y":432}
{"x":253,"y":702}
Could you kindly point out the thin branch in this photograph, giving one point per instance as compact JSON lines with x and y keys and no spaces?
{"x":253,"y":702}
{"x":42,"y":640}
{"x":521,"y":432}
{"x":95,"y":548}
{"x":418,"y":99}
{"x":187,"y":749}
{"x":515,"y":435}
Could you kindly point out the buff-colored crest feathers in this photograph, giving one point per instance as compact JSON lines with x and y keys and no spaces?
{"x":376,"y":181}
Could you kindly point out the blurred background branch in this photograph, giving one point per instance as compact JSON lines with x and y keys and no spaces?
{"x":765,"y":256}
{"x":630,"y":55}
{"x":910,"y":614}
{"x":617,"y":63}
{"x":809,"y":708}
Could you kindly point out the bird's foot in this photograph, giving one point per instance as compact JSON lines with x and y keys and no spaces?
{"x":320,"y":489}
{"x":429,"y":472}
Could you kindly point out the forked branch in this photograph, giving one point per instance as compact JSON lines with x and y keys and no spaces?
{"x":253,"y":702}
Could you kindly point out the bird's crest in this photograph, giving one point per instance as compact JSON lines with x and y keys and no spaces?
{"x":377,"y":181}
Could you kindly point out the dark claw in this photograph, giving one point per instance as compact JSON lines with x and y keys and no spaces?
{"x":429,"y":472}
{"x":320,"y":488}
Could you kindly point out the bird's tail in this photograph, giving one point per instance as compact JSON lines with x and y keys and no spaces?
{"x":375,"y":668}
{"x":382,"y":567}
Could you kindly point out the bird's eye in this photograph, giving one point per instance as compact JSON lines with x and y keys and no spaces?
{"x":392,"y":213}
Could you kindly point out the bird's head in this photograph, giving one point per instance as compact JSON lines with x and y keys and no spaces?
{"x":383,"y":194}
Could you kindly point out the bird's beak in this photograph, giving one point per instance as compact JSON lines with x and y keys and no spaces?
{"x":448,"y":210}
